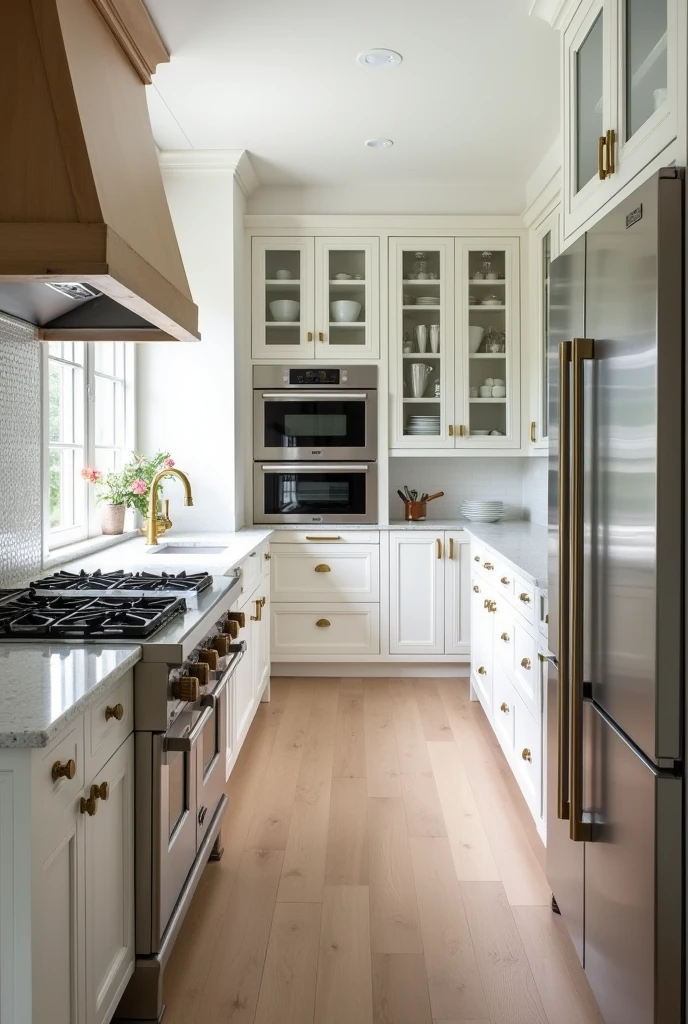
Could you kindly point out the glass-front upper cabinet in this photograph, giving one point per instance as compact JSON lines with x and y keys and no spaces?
{"x":544,"y":248}
{"x":315,"y":298}
{"x":422,"y":342}
{"x":487,"y":389}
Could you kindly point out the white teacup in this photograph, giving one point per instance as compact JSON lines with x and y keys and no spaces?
{"x":492,"y":276}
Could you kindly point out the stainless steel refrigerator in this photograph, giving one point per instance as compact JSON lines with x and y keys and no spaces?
{"x":615,"y":801}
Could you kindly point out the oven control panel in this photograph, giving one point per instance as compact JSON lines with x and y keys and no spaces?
{"x":308,"y":376}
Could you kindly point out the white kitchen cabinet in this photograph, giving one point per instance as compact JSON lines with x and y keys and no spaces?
{"x":109,"y":885}
{"x":454,"y":330}
{"x":325,"y":629}
{"x":259,"y":641}
{"x":544,"y":247}
{"x":325,"y":572}
{"x":457,"y":593}
{"x":621,"y":91}
{"x":296,"y":286}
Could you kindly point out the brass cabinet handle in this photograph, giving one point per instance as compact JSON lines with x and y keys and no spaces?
{"x":525,"y":598}
{"x":116,"y":712}
{"x":462,"y":430}
{"x":258,"y":616}
{"x":525,"y":663}
{"x":579,"y":830}
{"x":450,"y":429}
{"x":476,"y":588}
{"x":322,"y":568}
{"x":321,"y":336}
{"x":505,"y":581}
{"x":319,"y":540}
{"x":601,"y":169}
{"x":526,"y":755}
{"x":64,"y":770}
{"x":451,"y":547}
{"x":439,"y":547}
{"x":533,"y":431}
{"x":610,"y":166}
{"x":488,"y":565}
{"x":505,"y":637}
{"x":504,"y":707}
{"x":309,"y":336}
{"x":323,"y":623}
{"x":482,"y":671}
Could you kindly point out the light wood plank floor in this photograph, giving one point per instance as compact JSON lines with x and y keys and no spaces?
{"x":380,"y":867}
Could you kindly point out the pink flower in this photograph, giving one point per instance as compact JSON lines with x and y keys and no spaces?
{"x":92,"y":475}
{"x":168,"y":464}
{"x":139,"y":486}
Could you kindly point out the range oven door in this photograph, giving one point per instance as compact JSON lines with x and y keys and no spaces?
{"x":305,"y":425}
{"x":315,"y":492}
{"x":212,"y":748}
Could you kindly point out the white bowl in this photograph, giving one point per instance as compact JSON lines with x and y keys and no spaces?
{"x":498,"y":391}
{"x":475,"y":338}
{"x":486,"y":392}
{"x":283,"y":275}
{"x":285,"y":310}
{"x":344,"y":311}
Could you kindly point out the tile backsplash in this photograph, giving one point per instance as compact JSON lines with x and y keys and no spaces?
{"x":20,"y":452}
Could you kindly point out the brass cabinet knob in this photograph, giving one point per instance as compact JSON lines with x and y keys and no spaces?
{"x":506,"y":638}
{"x":526,"y":755}
{"x":322,"y":568}
{"x":488,"y":565}
{"x":230,"y":628}
{"x":267,"y":556}
{"x":476,"y":558}
{"x":102,"y":791}
{"x":525,"y":662}
{"x":239,"y":617}
{"x":201,"y":671}
{"x":476,"y":588}
{"x":505,"y":581}
{"x":323,"y":622}
{"x":89,"y":806}
{"x":504,"y":707}
{"x":187,"y":688}
{"x":491,"y":606}
{"x":482,"y":671}
{"x":64,"y":770}
{"x":525,"y":598}
{"x":210,"y":657}
{"x":221,"y":645}
{"x":116,"y":712}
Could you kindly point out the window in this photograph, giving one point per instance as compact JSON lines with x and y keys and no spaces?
{"x":90,"y":422}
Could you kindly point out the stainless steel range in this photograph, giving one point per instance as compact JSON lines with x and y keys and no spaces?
{"x":181,"y":689}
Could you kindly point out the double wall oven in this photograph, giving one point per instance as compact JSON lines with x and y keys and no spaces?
{"x":315,"y":444}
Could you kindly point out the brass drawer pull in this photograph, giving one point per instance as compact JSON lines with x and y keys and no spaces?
{"x":504,"y":707}
{"x":525,"y":662}
{"x":319,"y":540}
{"x":525,"y":598}
{"x":526,"y":755}
{"x":488,"y":565}
{"x":322,"y":568}
{"x":439,"y":547}
{"x":323,"y":622}
{"x":451,"y":547}
{"x":476,"y":588}
{"x":505,"y":581}
{"x":259,"y":615}
{"x":506,"y":638}
{"x":309,"y":336}
{"x":116,"y":712}
{"x":533,"y":431}
{"x":482,"y":671}
{"x":64,"y":770}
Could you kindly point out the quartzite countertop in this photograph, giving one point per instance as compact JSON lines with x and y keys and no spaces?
{"x":522,"y":544}
{"x":44,"y":686}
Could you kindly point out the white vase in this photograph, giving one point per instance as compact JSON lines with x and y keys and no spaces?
{"x":434,"y":337}
{"x":112,"y":519}
{"x":421,"y":333}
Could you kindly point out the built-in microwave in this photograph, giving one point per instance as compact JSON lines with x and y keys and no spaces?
{"x":304,"y":414}
{"x":315,"y":492}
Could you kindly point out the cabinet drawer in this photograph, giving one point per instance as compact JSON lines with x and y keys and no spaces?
{"x":314,"y":572}
{"x":333,"y":536}
{"x":250,"y":571}
{"x":504,"y":638}
{"x":526,"y":675}
{"x":104,"y":732}
{"x":343,"y":629}
{"x":504,"y":713}
{"x":53,"y":796}
{"x":265,"y":557}
{"x":524,"y":598}
{"x":527,"y":760}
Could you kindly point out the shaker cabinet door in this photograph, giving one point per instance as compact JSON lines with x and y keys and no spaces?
{"x":347,"y":300}
{"x":282,"y":298}
{"x":416,"y":592}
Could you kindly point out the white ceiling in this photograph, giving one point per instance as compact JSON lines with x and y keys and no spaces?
{"x":476,"y":98}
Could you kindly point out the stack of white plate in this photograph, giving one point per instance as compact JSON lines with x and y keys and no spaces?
{"x":483,"y":511}
{"x":423,"y":425}
{"x":427,"y":300}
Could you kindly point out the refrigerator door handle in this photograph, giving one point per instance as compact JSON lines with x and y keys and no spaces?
{"x":564,"y":523}
{"x":580,"y":831}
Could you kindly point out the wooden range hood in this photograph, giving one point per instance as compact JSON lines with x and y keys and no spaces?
{"x":81,"y":196}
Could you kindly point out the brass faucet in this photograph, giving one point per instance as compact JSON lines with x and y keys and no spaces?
{"x":151,"y":518}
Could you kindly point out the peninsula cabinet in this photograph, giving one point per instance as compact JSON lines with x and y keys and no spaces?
{"x":454,"y":344}
{"x":621,"y":61}
{"x":315,"y":298}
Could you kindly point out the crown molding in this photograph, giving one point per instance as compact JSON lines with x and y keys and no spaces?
{"x":236,"y":162}
{"x":133,"y":28}
{"x":555,"y":12}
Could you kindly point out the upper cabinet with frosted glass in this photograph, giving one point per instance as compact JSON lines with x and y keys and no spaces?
{"x":621,"y":90}
{"x":315,"y":298}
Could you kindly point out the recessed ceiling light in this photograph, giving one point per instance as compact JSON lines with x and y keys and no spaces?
{"x":379,"y":143}
{"x":378,"y":60}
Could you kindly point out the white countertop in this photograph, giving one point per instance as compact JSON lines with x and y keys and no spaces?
{"x":43,"y":687}
{"x":522,"y":544}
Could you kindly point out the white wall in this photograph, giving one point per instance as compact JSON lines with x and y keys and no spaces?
{"x":535,"y":489}
{"x":186,"y":391}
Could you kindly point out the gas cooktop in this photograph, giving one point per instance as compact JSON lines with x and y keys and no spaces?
{"x":27,"y":615}
{"x":97,"y":583}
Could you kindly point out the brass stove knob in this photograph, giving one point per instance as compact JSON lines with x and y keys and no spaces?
{"x":239,"y":617}
{"x":210,"y":657}
{"x":187,"y":688}
{"x":221,"y":645}
{"x":231,"y":629}
{"x":201,"y":671}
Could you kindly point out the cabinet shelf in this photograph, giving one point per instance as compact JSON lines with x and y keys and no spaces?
{"x":347,"y":323}
{"x":485,"y":308}
{"x":487,"y":401}
{"x":430,"y":308}
{"x":283,"y":323}
{"x":487,"y":355}
{"x":414,"y":283}
{"x":424,"y":400}
{"x":481,"y":284}
{"x":289,"y":283}
{"x":360,"y":283}
{"x":421,"y":355}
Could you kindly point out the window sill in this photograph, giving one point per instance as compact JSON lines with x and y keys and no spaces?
{"x":85,"y":547}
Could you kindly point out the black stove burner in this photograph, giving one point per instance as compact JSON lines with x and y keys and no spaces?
{"x":96,"y":583}
{"x":25,"y":615}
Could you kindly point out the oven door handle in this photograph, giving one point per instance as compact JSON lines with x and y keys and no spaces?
{"x":210,"y":700}
{"x":298,"y":396}
{"x":185,"y":744}
{"x":315,"y":467}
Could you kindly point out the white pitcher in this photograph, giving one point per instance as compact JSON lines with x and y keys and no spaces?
{"x":434,"y":337}
{"x":421,"y":333}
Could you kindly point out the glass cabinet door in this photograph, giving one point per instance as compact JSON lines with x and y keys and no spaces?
{"x":645,"y":66}
{"x":422,"y":342}
{"x":282,"y":298}
{"x":487,"y":384}
{"x":347,"y":298}
{"x":589,"y":121}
